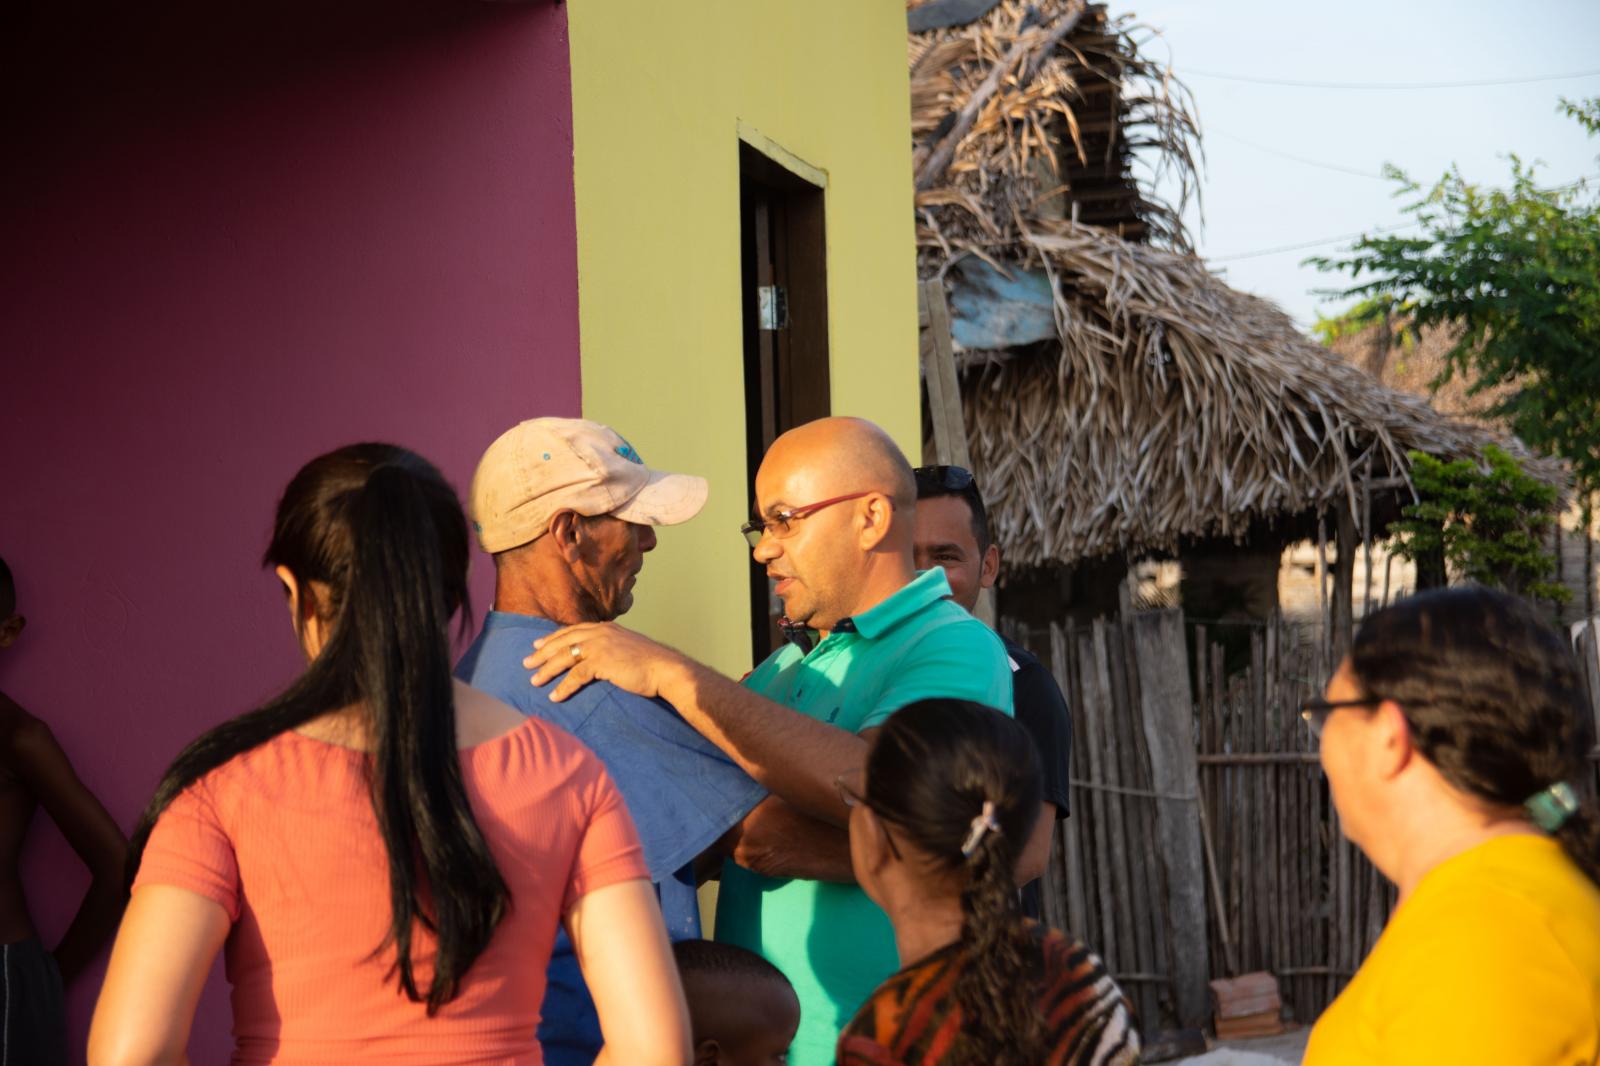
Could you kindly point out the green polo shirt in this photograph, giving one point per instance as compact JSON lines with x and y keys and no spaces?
{"x":832,"y":942}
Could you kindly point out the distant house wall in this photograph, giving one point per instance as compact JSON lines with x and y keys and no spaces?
{"x":662,"y":94}
{"x":1579,"y":566}
{"x":235,"y":237}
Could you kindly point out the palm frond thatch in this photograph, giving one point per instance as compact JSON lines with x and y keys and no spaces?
{"x":1176,"y":407}
{"x":1036,"y":110}
{"x":1170,"y":406}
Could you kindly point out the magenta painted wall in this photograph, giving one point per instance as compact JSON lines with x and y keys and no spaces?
{"x":235,"y":236}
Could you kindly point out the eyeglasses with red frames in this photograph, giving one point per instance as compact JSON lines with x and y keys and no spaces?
{"x":779,"y":524}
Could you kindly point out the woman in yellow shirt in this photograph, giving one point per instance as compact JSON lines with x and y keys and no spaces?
{"x":1455,"y":739}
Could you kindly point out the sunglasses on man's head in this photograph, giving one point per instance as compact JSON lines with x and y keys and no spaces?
{"x":946,"y":478}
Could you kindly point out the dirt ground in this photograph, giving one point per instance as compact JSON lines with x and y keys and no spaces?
{"x":1286,"y":1049}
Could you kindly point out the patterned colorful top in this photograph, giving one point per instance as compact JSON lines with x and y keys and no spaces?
{"x":913,"y":1018}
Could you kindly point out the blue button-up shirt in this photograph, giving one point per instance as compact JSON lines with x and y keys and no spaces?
{"x":681,"y":790}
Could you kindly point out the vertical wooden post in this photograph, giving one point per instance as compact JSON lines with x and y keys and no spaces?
{"x":1062,"y":646}
{"x":1167,"y":713}
{"x":1344,"y":593}
{"x":1378,"y":357}
{"x":944,"y":397}
{"x":939,"y":371}
{"x":1561,"y":571}
{"x":1323,"y":612}
{"x":1366,"y":538}
{"x":1588,"y":558}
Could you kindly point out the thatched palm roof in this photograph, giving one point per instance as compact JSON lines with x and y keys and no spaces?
{"x":1035,"y":110}
{"x":1167,"y":406}
{"x":1175,"y":407}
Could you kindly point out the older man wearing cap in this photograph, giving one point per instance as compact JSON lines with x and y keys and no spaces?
{"x":566,"y":507}
{"x":870,"y":635}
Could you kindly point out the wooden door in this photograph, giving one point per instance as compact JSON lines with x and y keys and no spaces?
{"x":785,"y":304}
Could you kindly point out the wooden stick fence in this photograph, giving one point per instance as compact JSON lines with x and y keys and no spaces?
{"x":1271,"y":885}
{"x":1112,"y":875}
{"x":1301,"y":901}
{"x":1280,"y":889}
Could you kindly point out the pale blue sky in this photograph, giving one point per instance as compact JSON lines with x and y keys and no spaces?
{"x":1256,"y":200}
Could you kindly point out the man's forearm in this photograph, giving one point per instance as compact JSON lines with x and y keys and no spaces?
{"x":779,"y":841}
{"x":792,"y":756}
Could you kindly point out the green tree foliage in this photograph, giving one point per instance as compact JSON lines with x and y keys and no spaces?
{"x":1518,"y":269}
{"x":1487,"y":523}
{"x":1374,"y":311}
{"x":1352,"y":320}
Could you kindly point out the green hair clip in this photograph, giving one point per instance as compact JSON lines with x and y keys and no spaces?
{"x":1551,"y":808}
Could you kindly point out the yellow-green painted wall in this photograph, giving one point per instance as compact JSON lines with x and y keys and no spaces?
{"x":661,"y":94}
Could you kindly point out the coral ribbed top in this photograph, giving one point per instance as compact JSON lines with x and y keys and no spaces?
{"x":284,"y":839}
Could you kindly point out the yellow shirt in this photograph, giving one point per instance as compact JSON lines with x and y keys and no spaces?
{"x":1495,"y":959}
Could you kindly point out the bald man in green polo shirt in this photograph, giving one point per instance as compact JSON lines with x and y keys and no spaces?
{"x":837,"y":506}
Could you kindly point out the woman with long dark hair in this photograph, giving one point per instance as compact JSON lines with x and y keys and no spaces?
{"x":1455,"y":739}
{"x":384,"y":853}
{"x":950,"y":794}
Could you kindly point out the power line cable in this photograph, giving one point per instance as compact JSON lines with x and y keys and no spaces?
{"x":1213,"y":131}
{"x":1386,"y":85}
{"x":1361,"y":233}
{"x":1308,"y":244}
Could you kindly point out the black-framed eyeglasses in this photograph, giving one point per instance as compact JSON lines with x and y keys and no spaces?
{"x":779,"y":524}
{"x":852,"y":796}
{"x":944,"y":479}
{"x":1316,"y":710}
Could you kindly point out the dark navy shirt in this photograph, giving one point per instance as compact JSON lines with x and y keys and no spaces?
{"x":1043,"y":712}
{"x":682,"y":791}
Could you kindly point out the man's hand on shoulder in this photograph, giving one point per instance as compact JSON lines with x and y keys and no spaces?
{"x":604,"y":651}
{"x":789,"y":754}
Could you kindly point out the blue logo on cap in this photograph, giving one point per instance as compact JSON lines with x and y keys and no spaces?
{"x":626,"y":451}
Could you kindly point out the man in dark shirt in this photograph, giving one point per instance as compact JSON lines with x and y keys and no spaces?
{"x":952,"y":531}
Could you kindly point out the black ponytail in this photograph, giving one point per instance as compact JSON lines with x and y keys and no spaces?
{"x":1493,"y":697}
{"x":381,"y":534}
{"x":933,"y":768}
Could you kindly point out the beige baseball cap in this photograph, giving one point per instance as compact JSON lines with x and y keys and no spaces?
{"x":546,"y":465}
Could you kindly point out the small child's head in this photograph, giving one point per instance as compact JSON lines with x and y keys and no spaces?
{"x":11,"y":622}
{"x":743,"y":1011}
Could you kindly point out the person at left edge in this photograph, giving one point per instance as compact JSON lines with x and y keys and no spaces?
{"x":567,"y":509}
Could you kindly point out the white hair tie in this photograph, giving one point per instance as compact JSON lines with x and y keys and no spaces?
{"x":983,"y":823}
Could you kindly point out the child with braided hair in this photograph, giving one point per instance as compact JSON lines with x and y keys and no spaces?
{"x":939,"y":816}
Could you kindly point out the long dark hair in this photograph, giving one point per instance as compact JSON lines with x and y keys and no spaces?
{"x":930,"y":772}
{"x":1493,"y":697}
{"x":382,"y":531}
